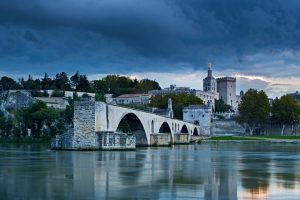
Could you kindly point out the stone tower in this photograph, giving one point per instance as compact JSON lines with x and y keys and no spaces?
{"x":209,"y":83}
{"x":227,"y":90}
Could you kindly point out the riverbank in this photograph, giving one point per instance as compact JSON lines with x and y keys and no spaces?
{"x":276,"y":138}
{"x":26,"y":141}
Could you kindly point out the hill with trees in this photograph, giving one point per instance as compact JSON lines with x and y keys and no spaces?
{"x":113,"y":84}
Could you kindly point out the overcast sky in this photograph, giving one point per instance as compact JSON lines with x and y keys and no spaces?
{"x":258,"y":41}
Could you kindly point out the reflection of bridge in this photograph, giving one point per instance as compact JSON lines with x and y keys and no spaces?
{"x":91,"y":117}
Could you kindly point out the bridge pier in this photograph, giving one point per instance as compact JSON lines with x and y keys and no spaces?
{"x":182,"y":138}
{"x":160,"y":139}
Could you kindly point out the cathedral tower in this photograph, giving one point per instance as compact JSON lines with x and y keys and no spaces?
{"x":209,"y":83}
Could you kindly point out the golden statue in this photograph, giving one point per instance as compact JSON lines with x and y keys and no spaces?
{"x":209,"y":66}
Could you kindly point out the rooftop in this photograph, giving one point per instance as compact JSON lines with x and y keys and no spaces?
{"x":131,"y":95}
{"x":196,"y":107}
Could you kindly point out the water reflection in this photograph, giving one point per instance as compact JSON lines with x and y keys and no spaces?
{"x":206,"y":171}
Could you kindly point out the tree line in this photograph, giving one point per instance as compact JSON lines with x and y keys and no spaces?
{"x":113,"y":84}
{"x":256,"y":110}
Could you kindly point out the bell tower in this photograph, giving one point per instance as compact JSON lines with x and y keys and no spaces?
{"x":209,"y":83}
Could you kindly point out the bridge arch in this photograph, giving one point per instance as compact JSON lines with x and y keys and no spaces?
{"x":165,"y":128}
{"x":184,"y":129}
{"x":195,"y":132}
{"x":131,"y":123}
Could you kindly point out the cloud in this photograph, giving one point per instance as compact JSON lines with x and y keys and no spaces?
{"x":253,"y":37}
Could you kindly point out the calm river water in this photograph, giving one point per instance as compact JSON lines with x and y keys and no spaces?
{"x":206,"y":171}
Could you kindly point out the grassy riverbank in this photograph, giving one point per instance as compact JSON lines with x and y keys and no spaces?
{"x":232,"y":138}
{"x":273,"y":137}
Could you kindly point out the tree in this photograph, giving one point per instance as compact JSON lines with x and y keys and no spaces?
{"x":36,"y":117}
{"x":253,"y":110}
{"x":46,"y":82}
{"x":75,"y":80}
{"x":62,"y":81}
{"x":83,"y":84}
{"x":7,"y":83}
{"x":179,"y":101}
{"x":31,"y":84}
{"x":100,"y":96}
{"x":146,"y":85}
{"x":220,"y":106}
{"x":285,"y":111}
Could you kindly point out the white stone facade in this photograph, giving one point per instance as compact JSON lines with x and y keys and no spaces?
{"x":133,"y":99}
{"x":200,"y":115}
{"x":207,"y":97}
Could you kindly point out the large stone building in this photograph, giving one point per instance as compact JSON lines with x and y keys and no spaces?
{"x":226,"y":87}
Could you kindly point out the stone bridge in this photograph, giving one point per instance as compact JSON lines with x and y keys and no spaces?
{"x":91,"y":117}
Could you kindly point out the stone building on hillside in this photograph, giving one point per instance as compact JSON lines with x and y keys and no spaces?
{"x":296,"y":96}
{"x":173,"y":89}
{"x":54,"y":102}
{"x":133,"y":99}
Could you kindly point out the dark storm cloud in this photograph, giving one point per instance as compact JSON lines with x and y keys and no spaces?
{"x":114,"y":36}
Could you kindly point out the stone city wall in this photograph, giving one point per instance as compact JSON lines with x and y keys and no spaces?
{"x":226,"y":127}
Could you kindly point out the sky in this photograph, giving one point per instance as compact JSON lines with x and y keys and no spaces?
{"x":170,"y":41}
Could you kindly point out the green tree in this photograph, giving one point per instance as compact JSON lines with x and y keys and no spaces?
{"x":31,"y":84}
{"x":100,"y":96}
{"x":83,"y":84}
{"x":36,"y":117}
{"x":220,"y":106}
{"x":146,"y":85}
{"x":285,"y":111}
{"x":253,"y":110}
{"x":75,"y":80}
{"x":46,"y":82}
{"x":7,"y":83}
{"x":62,"y":81}
{"x":179,"y":102}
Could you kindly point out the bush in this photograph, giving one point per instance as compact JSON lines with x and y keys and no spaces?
{"x":58,"y":93}
{"x":37,"y":93}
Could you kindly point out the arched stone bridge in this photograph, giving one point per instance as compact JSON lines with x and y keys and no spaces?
{"x":92,"y":117}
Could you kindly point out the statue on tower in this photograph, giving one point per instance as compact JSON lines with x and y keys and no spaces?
{"x":209,"y":66}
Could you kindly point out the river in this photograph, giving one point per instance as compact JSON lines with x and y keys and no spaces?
{"x":251,"y":170}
